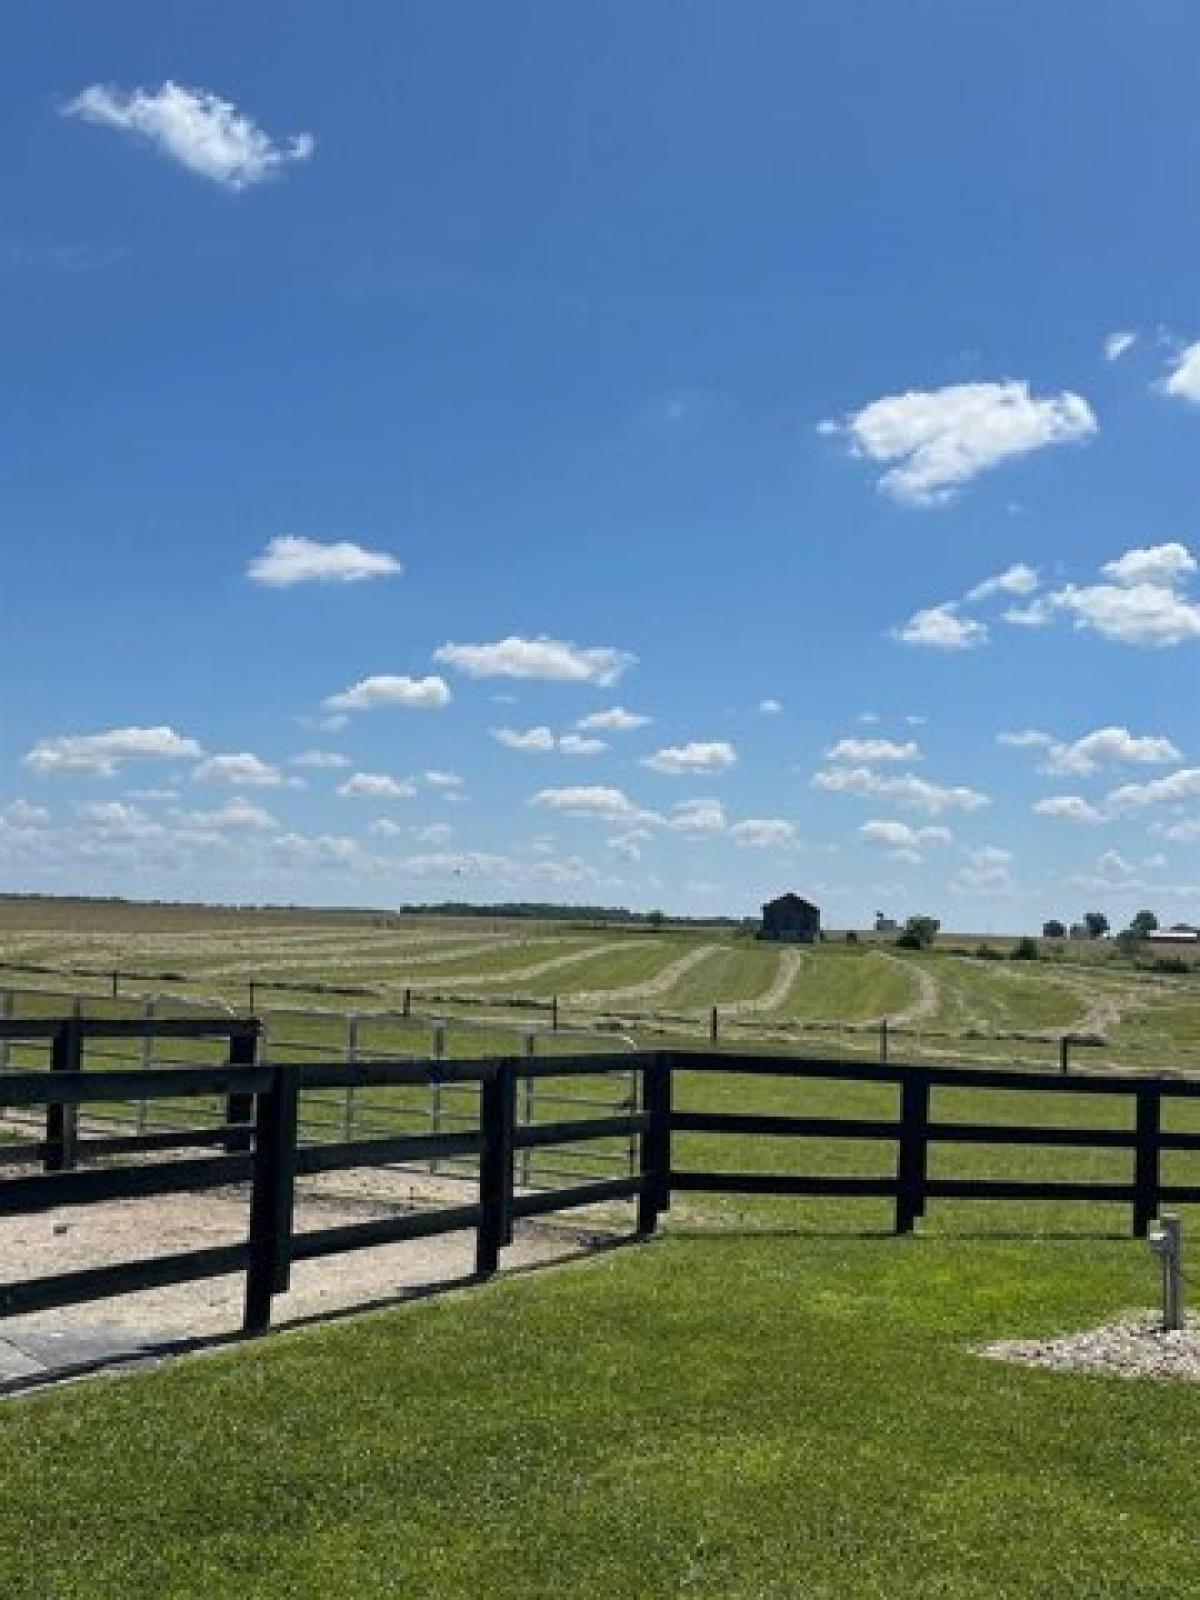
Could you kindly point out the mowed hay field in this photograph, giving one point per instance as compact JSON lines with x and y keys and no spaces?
{"x":654,"y":985}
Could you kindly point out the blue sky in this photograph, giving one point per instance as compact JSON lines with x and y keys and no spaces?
{"x":413,"y":384}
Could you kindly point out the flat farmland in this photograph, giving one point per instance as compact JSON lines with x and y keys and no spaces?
{"x":491,"y":977}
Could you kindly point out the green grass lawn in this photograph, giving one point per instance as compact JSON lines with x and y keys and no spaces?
{"x":739,"y":1416}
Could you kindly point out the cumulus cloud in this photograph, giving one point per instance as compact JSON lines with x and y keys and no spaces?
{"x":237,"y":814}
{"x":1183,"y":380}
{"x":1109,"y":746}
{"x":936,"y":441}
{"x":1118,"y":342}
{"x":554,"y":660}
{"x":1069,"y":808}
{"x":1167,"y":564}
{"x":102,"y":754}
{"x":615,"y":720}
{"x":698,"y":816}
{"x":196,"y":128}
{"x":942,"y":628}
{"x":242,"y":769}
{"x":900,"y":836}
{"x":906,"y":790}
{"x":597,"y":801}
{"x":1175,"y":789}
{"x":290,"y":560}
{"x":1146,"y":614}
{"x":873,"y":750}
{"x":1025,"y":739}
{"x":770,"y":707}
{"x":712,"y":757}
{"x":762,"y":833}
{"x":1019,"y":579}
{"x":443,"y":780}
{"x":388,"y":689}
{"x":542,"y":741}
{"x":377,"y":786}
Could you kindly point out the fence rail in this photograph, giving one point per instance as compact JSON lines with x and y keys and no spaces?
{"x":260,"y":1145}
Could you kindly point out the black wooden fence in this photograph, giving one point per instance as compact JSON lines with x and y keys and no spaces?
{"x":257,"y":1143}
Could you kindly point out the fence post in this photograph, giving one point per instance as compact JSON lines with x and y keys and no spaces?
{"x":116,"y":984}
{"x":272,"y":1198}
{"x":239,"y":1106}
{"x":435,"y":1085}
{"x":713,"y":1026}
{"x":528,"y":1048}
{"x":883,"y":1039}
{"x":655,"y":1143}
{"x":1064,"y":1054}
{"x":6,"y":1011}
{"x":507,"y":1073}
{"x":147,"y":1061}
{"x":495,"y":1172}
{"x":407,"y":1007}
{"x":62,"y":1120}
{"x":1145,"y":1170}
{"x":554,"y":1013}
{"x":351,"y":1092}
{"x":912,"y":1157}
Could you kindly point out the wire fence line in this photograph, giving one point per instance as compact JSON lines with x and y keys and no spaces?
{"x":295,"y":1035}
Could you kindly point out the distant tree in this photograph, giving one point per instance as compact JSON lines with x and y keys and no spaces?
{"x":1025,"y":950}
{"x":1145,"y":922}
{"x":655,"y":918}
{"x":1096,"y":924}
{"x":1053,"y":929}
{"x":919,"y":932}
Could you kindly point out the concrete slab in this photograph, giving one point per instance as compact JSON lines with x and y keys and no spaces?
{"x":51,"y":1352}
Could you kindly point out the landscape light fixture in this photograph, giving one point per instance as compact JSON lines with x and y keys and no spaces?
{"x":1166,"y":1240}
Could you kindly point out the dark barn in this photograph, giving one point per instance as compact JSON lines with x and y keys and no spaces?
{"x":792,"y":919}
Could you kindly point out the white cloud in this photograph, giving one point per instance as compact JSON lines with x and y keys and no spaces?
{"x":1146,"y":614}
{"x":533,"y":740}
{"x":443,"y":780}
{"x":194,"y":127}
{"x":712,"y":756}
{"x":1113,"y":865}
{"x":614,"y":720}
{"x":1183,"y":380}
{"x":1174,"y":789}
{"x":320,"y":760}
{"x":555,"y":660}
{"x":1166,"y":564}
{"x":629,"y":844}
{"x":434,"y":833}
{"x":290,"y":559}
{"x":592,"y":800}
{"x":237,"y":814}
{"x":698,"y":816}
{"x":1185,"y":832}
{"x":385,"y":828}
{"x":941,"y":628}
{"x":1025,"y":739}
{"x":907,"y":790}
{"x":1019,"y":579}
{"x":899,"y":836}
{"x":1070,"y":808}
{"x":943,"y":438}
{"x":541,"y":741}
{"x":388,"y":689}
{"x":988,"y":855}
{"x":1109,"y":746}
{"x":377,"y":786}
{"x":1118,"y":342}
{"x":770,"y":707}
{"x":102,"y":754}
{"x":762,"y":833}
{"x":243,"y":769}
{"x":873,"y":750}
{"x":1037,"y":614}
{"x":21,"y":814}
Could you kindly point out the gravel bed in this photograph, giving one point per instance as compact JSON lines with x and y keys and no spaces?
{"x":1135,"y":1346}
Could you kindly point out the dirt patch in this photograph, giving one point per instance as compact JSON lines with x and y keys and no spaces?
{"x":1135,"y":1346}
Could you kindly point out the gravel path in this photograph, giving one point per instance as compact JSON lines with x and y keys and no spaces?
{"x":660,"y":984}
{"x":1135,"y":1346}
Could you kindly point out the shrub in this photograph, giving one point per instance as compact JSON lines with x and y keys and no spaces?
{"x":988,"y":952}
{"x":1025,"y":950}
{"x":1171,"y":964}
{"x":909,"y":940}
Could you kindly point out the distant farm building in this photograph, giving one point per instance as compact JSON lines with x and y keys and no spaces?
{"x":1179,"y":938}
{"x":791,"y":919}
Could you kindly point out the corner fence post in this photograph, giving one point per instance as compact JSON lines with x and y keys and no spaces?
{"x":272,"y":1198}
{"x":655,"y":1143}
{"x":239,"y":1106}
{"x":495,"y":1173}
{"x":1146,"y":1157}
{"x":62,"y":1119}
{"x":912,"y":1156}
